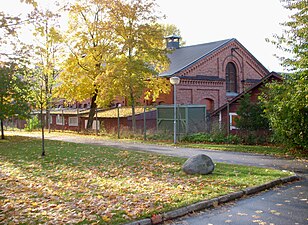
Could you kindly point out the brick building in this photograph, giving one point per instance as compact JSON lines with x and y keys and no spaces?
{"x":224,"y":117}
{"x":211,"y":73}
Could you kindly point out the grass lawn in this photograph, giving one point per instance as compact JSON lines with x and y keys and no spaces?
{"x":84,"y":184}
{"x":273,"y":150}
{"x":259,"y":149}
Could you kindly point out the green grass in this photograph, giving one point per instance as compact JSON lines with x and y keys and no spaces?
{"x":273,"y":150}
{"x":260,"y":149}
{"x":77,"y":183}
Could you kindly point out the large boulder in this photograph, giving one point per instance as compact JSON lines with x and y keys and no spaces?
{"x":198,"y":164}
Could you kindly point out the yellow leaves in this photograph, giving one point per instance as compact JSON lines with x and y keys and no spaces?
{"x":99,"y":185}
{"x":34,"y":204}
{"x":105,"y":218}
{"x":275,"y":212}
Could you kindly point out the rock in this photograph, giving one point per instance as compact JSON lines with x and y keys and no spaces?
{"x":199,"y":164}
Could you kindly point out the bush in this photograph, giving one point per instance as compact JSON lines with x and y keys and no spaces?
{"x":258,"y":137}
{"x":161,"y":136}
{"x":251,"y":115}
{"x":32,"y":124}
{"x":212,"y":138}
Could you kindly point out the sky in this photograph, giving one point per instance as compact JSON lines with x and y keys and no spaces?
{"x":249,"y":21}
{"x":202,"y":21}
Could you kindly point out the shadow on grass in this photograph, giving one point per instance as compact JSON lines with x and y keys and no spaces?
{"x":87,"y":183}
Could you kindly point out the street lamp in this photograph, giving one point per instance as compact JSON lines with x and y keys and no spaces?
{"x":118,"y":112}
{"x":174,"y":81}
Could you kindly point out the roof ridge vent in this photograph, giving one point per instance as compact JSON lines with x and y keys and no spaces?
{"x":173,"y":41}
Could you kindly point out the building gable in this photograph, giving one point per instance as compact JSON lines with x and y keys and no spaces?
{"x":211,"y":58}
{"x":212,"y":73}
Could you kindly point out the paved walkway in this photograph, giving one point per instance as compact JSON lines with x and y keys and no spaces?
{"x":285,"y":205}
{"x":300,"y":167}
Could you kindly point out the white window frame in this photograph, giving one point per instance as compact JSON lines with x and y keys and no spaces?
{"x":73,"y":121}
{"x":93,"y":124}
{"x":231,"y":115}
{"x":59,"y":120}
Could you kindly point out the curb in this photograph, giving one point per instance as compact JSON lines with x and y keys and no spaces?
{"x":159,"y":218}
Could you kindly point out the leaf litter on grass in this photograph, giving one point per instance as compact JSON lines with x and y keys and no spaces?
{"x":81,"y":183}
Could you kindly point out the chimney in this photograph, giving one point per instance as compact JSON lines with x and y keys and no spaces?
{"x":173,"y":41}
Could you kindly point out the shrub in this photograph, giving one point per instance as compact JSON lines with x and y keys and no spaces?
{"x":212,"y":138}
{"x":164,"y":135}
{"x":32,"y":124}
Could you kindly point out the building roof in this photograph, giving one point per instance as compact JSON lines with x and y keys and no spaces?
{"x":267,"y":78}
{"x":183,"y":57}
{"x":123,"y":112}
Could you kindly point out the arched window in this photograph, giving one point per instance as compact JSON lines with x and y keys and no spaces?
{"x":231,"y":81}
{"x":209,"y":104}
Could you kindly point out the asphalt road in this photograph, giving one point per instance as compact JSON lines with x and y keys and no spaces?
{"x":285,"y":205}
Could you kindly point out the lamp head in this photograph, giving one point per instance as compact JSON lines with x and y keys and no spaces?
{"x":174,"y":80}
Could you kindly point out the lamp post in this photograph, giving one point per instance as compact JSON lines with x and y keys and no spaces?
{"x":118,"y":112}
{"x":174,"y":81}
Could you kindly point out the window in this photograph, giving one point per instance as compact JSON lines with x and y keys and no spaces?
{"x":231,"y":81}
{"x":93,"y":124}
{"x":59,"y":120}
{"x":232,"y":117}
{"x":73,"y":121}
{"x":209,"y":104}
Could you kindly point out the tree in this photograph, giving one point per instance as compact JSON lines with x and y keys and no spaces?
{"x":14,"y":93}
{"x":286,"y":104}
{"x":294,"y":38}
{"x":47,"y":54}
{"x":38,"y":93}
{"x":142,"y":55}
{"x":86,"y":71}
{"x":171,"y":29}
{"x":251,"y":115}
{"x":11,"y":45}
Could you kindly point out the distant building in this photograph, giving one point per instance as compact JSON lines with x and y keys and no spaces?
{"x":211,"y":73}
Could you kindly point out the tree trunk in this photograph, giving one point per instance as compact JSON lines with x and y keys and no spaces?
{"x":48,"y":119}
{"x":2,"y":130}
{"x":43,"y":136}
{"x":92,"y":110}
{"x":133,"y":113}
{"x":46,"y":80}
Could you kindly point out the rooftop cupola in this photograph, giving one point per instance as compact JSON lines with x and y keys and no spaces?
{"x":173,"y":41}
